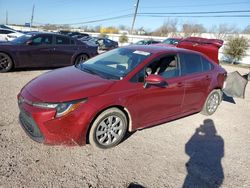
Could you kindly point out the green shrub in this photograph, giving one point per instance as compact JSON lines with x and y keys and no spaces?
{"x":123,"y":39}
{"x":236,"y":48}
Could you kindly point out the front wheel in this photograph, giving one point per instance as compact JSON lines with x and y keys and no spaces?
{"x":6,"y":63}
{"x":108,"y":129}
{"x":212,"y":102}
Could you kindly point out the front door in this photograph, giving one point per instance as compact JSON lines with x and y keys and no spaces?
{"x":38,"y":53}
{"x":157,"y":104}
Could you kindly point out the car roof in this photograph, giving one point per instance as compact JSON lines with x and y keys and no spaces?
{"x":159,"y":49}
{"x":46,"y":33}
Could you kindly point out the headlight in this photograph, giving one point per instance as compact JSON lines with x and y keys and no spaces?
{"x":61,"y":108}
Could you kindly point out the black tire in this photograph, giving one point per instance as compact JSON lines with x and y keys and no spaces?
{"x":104,"y":134}
{"x":81,"y":58}
{"x":6,"y":63}
{"x":212,"y":102}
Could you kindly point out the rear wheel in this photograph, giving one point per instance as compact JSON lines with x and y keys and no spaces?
{"x":212,"y":102}
{"x":6,"y":63}
{"x":108,"y":129}
{"x":81,"y":58}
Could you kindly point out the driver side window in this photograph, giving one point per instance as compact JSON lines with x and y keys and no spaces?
{"x":166,"y":66}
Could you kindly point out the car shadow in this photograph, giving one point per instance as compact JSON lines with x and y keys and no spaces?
{"x":228,"y":99}
{"x":205,"y":149}
{"x":127,"y":135}
{"x":135,"y":185}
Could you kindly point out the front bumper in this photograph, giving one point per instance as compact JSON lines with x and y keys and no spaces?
{"x":42,"y":126}
{"x":30,"y":127}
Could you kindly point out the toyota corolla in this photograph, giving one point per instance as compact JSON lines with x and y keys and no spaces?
{"x":119,"y":91}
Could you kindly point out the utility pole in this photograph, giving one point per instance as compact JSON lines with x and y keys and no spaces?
{"x":133,"y":23}
{"x":6,"y":21}
{"x":32,"y":16}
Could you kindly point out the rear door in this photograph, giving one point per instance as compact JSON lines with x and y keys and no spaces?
{"x":197,"y":80}
{"x":64,"y":49}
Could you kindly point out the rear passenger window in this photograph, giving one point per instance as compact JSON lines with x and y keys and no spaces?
{"x":206,"y":65}
{"x":62,"y":40}
{"x":190,"y":63}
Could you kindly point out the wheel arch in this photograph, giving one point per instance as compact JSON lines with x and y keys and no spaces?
{"x":77,"y":55}
{"x":122,"y":108}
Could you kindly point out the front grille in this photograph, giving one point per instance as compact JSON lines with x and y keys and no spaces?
{"x":30,"y":126}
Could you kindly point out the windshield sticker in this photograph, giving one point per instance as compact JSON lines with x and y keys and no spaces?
{"x":141,"y":53}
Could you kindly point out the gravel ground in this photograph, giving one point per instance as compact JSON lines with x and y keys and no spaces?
{"x":170,"y":155}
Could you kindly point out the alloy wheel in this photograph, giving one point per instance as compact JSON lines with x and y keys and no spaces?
{"x":5,"y":62}
{"x":110,"y":130}
{"x":213,"y":102}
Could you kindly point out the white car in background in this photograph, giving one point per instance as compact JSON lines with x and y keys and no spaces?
{"x":8,"y":34}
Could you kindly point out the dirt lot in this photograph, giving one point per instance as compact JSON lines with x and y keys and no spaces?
{"x":170,"y":155}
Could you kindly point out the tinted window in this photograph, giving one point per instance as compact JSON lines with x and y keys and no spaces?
{"x":5,"y":32}
{"x":62,"y":40}
{"x":190,"y":63}
{"x":46,"y":39}
{"x":206,"y":64}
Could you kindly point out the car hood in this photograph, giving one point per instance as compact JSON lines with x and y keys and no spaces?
{"x":66,"y":84}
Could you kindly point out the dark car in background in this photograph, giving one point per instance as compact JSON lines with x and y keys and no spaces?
{"x":170,"y":42}
{"x":74,"y":34}
{"x":44,"y":50}
{"x":147,"y":42}
{"x":104,"y":43}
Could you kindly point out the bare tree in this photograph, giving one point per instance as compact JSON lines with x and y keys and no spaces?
{"x":169,"y":27}
{"x":222,"y":30}
{"x":193,"y":29}
{"x":247,"y":30}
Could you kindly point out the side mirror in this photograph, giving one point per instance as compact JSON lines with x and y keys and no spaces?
{"x":156,"y":80}
{"x":29,"y":42}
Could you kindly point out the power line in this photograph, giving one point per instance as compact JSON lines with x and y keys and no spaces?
{"x":200,"y":5}
{"x":197,"y":16}
{"x":206,"y":12}
{"x":170,"y":14}
{"x":99,"y":20}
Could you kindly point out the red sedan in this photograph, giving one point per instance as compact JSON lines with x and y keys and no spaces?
{"x":122,"y":90}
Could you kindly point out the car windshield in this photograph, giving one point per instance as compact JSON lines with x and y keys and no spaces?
{"x":115,"y":64}
{"x":22,"y":39}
